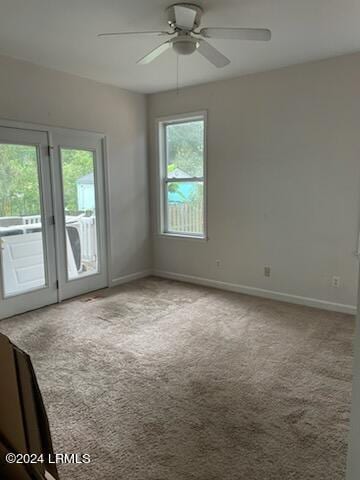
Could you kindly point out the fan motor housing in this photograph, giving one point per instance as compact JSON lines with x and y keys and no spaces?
{"x":172,"y":17}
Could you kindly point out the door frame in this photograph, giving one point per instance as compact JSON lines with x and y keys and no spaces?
{"x":50,"y":131}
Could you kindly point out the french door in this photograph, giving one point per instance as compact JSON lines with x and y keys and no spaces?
{"x":78,"y":179}
{"x":52,"y":217}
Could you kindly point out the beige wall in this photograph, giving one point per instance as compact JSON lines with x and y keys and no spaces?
{"x":283,"y":181}
{"x":29,"y":93}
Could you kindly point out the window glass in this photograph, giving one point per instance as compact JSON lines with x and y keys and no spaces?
{"x":21,"y":223}
{"x":183,"y":182}
{"x":185,"y":207}
{"x":78,"y":173}
{"x":185,"y":149}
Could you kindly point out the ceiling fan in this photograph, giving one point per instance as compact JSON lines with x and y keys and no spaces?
{"x":186,"y":38}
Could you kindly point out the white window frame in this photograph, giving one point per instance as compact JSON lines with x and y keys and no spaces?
{"x":164,"y":179}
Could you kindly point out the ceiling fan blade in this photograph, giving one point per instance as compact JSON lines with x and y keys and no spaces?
{"x":149,"y":57}
{"x":259,"y":34}
{"x":184,"y":17}
{"x":117,"y":34}
{"x":212,"y":54}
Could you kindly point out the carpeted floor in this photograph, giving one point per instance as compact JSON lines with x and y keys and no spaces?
{"x":159,"y":380}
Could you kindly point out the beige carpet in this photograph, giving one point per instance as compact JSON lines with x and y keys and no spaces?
{"x":159,"y":380}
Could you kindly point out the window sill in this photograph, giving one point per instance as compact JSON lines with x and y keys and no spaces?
{"x":176,"y":236}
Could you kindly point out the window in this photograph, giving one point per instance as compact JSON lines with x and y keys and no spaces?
{"x":182,"y":167}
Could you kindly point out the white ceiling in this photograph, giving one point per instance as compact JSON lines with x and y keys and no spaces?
{"x":61,"y":34}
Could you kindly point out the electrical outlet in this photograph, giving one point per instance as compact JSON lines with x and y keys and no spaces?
{"x":267,"y":271}
{"x":218,"y":263}
{"x":335,"y":282}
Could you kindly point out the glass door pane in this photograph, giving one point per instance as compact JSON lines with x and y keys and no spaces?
{"x":21,"y":220}
{"x":79,"y":181}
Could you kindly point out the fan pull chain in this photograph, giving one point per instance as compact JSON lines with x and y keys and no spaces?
{"x":177,"y":74}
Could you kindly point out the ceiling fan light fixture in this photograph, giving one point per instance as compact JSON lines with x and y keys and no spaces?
{"x":185,"y":45}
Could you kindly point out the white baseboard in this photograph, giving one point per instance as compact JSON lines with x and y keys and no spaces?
{"x":259,"y":292}
{"x":130,"y":277}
